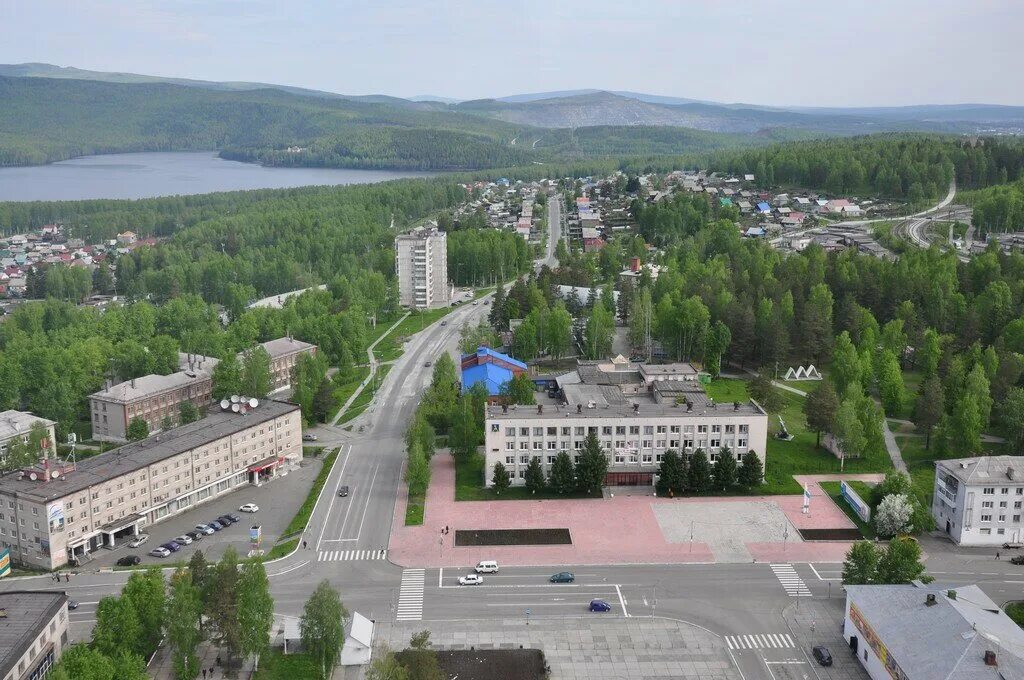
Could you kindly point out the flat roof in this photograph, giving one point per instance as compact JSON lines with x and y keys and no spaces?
{"x":993,"y":470}
{"x":15,"y":423}
{"x":28,"y":613}
{"x":137,"y":455}
{"x":668,"y":369}
{"x":148,"y":385}
{"x":284,"y":346}
{"x":608,"y":405}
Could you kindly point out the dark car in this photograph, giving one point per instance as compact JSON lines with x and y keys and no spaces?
{"x":215,"y":525}
{"x":342,"y":491}
{"x":129,"y":561}
{"x":1019,"y":559}
{"x":599,"y":606}
{"x":563,"y":577}
{"x":232,"y":518}
{"x":195,"y":535}
{"x":226,"y":520}
{"x":822,"y":656}
{"x":171,"y":545}
{"x":72,"y":604}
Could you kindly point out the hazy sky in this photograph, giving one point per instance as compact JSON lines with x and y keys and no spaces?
{"x":797,"y":52}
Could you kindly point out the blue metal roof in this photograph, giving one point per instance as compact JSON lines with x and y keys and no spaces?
{"x":764,"y":207}
{"x":493,"y":377}
{"x":487,"y":351}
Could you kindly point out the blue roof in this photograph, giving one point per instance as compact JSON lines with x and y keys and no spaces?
{"x":487,"y":351}
{"x":755,"y":231}
{"x":764,"y":207}
{"x":493,"y":377}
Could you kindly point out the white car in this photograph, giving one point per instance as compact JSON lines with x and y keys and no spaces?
{"x":183,"y":540}
{"x":249,"y":507}
{"x":202,"y":528}
{"x":159,"y":551}
{"x":138,"y":540}
{"x":471,"y":580}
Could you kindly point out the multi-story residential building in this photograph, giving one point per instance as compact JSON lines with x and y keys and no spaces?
{"x":54,"y":514}
{"x":33,"y":632}
{"x":152,"y":398}
{"x":421,"y":263}
{"x":18,"y":425}
{"x":980,"y":501}
{"x":284,"y":354}
{"x":637,"y":413}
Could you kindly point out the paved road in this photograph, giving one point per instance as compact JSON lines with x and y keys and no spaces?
{"x":554,"y":231}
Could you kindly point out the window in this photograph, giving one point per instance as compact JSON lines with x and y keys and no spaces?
{"x":634,"y":429}
{"x":1000,"y":531}
{"x":648,"y":458}
{"x":702,"y":429}
{"x":744,"y":429}
{"x":1002,"y":504}
{"x":1004,"y":490}
{"x":523,"y":460}
{"x":538,"y":446}
{"x":580,"y":431}
{"x":606,"y":430}
{"x":508,"y":445}
{"x":741,"y":443}
{"x":552,"y":445}
{"x":662,"y":429}
{"x":566,"y":431}
{"x":986,"y":518}
{"x":674,"y":429}
{"x":730,"y":429}
{"x":619,"y":458}
{"x":1016,"y":518}
{"x":551,"y":460}
{"x":1002,"y":518}
{"x":620,"y":429}
{"x":510,"y":432}
{"x":1016,"y":506}
{"x":986,"y":504}
{"x":988,"y":490}
{"x":716,"y":428}
{"x":648,"y":429}
{"x":524,"y":432}
{"x":524,"y":446}
{"x":552,"y":431}
{"x":646,"y":444}
{"x":985,"y":532}
{"x":538,"y":432}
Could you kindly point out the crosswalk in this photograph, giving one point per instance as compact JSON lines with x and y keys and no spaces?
{"x":410,"y":597}
{"x":350,"y":555}
{"x":790,"y":580}
{"x":760,"y":641}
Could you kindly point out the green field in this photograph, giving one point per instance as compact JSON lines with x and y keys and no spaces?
{"x":348,"y":388}
{"x":414,"y":511}
{"x":275,"y":665}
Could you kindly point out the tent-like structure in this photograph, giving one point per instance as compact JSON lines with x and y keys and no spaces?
{"x":358,"y":643}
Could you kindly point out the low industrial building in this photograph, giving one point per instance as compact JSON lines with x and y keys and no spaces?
{"x":922,"y":632}
{"x":978,"y":501}
{"x":58,"y":513}
{"x":637,"y":411}
{"x":33,"y":632}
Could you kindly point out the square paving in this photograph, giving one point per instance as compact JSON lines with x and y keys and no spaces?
{"x":726,"y":526}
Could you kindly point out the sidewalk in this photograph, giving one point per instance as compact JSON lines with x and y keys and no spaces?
{"x":162,"y":667}
{"x":814,"y":622}
{"x":374,"y":364}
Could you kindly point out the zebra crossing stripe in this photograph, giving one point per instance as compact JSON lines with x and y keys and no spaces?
{"x":350,"y":555}
{"x":410,"y":596}
{"x":760,"y":641}
{"x":790,"y":580}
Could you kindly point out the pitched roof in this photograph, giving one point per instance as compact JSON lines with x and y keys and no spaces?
{"x":493,"y":377}
{"x":487,"y":351}
{"x":28,"y":613}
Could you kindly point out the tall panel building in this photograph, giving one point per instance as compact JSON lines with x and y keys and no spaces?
{"x":421,"y":262}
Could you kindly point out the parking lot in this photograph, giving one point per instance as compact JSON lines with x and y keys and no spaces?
{"x":278,"y":501}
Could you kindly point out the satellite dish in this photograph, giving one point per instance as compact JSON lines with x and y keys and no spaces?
{"x":236,"y":408}
{"x":234,"y":398}
{"x":225,"y":404}
{"x":254,"y":402}
{"x":33,"y":476}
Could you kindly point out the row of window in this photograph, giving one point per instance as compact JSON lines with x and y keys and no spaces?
{"x":990,"y":490}
{"x":1002,"y":518}
{"x":619,"y":458}
{"x":1002,"y":504}
{"x":688,"y":444}
{"x":607,"y":430}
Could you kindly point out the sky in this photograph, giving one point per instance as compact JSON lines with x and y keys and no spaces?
{"x":768,"y":52}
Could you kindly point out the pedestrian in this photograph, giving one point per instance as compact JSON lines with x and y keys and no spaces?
{"x":218,"y":659}
{"x":67,"y":577}
{"x":303,"y":545}
{"x":446,"y":528}
{"x":204,"y":674}
{"x":997,"y":554}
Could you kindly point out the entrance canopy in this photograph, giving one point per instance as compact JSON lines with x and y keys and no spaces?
{"x":122,"y":523}
{"x":266,"y":464}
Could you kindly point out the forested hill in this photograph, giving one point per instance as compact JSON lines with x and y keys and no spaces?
{"x":44,"y":120}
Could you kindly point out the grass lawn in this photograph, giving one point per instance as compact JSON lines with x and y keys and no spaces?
{"x":301,"y":518}
{"x":833,"y":490}
{"x":414,"y":511}
{"x":921,"y":463}
{"x":281,"y":549}
{"x":345,"y":390}
{"x":727,"y":390}
{"x":274,"y":665}
{"x":312,"y":451}
{"x":469,"y":480}
{"x":366,"y":396}
{"x":802,"y":385}
{"x":390,"y":348}
{"x":1015,"y":610}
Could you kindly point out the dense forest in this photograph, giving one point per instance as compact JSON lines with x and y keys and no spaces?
{"x":998,"y":209}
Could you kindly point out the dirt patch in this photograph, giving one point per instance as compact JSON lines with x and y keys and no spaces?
{"x":492,"y":664}
{"x":831,"y":534}
{"x":512,"y":537}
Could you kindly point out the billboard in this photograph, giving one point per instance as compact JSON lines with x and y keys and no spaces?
{"x":5,"y":562}
{"x":256,"y":535}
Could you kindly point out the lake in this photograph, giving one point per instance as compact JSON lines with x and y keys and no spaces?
{"x":144,"y":175}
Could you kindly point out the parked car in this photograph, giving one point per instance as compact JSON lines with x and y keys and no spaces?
{"x":139,"y":540}
{"x":183,"y":540}
{"x":471,"y":580}
{"x":205,"y":529}
{"x":309,"y":437}
{"x":215,"y":525}
{"x":1013,"y":546}
{"x":230,"y":519}
{"x":563,"y":577}
{"x":342,"y":491}
{"x":195,"y":535}
{"x":159,"y":551}
{"x":1019,"y":559}
{"x":72,"y":604}
{"x":822,"y":656}
{"x":249,"y":507}
{"x":129,"y":561}
{"x":171,"y":545}
{"x":599,"y":606}
{"x":428,"y":364}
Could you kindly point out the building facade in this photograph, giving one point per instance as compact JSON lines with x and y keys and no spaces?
{"x":284,"y":355}
{"x":33,"y":632}
{"x":421,"y":263}
{"x":55,"y":514}
{"x":151,"y":398}
{"x":980,"y":501}
{"x":18,"y":425}
{"x":637,"y":414}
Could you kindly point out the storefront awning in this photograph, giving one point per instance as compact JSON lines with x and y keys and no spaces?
{"x":264,"y":464}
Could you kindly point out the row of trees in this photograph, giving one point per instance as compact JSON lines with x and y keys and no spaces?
{"x":898,"y":562}
{"x":565,"y":476}
{"x":681,"y":473}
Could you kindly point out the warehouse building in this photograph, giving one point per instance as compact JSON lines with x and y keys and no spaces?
{"x":58,"y":513}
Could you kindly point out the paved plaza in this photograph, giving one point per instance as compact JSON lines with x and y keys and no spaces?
{"x":592,"y":647}
{"x":725,"y":527}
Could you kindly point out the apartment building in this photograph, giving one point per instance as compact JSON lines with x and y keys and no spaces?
{"x":151,"y":398}
{"x":284,"y":354}
{"x":421,"y":263}
{"x":54,"y":514}
{"x":980,"y":501}
{"x":33,"y":632}
{"x":18,"y":425}
{"x":637,"y":413}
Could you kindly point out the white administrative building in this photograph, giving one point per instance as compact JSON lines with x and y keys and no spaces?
{"x":980,"y":501}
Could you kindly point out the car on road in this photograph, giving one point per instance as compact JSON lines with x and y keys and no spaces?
{"x":205,"y":529}
{"x":487,"y":567}
{"x":343,"y":491}
{"x":444,"y":323}
{"x":475,"y":303}
{"x":129,"y":561}
{"x":249,"y":507}
{"x":1019,"y":559}
{"x":183,"y":540}
{"x":159,"y":551}
{"x":309,"y":437}
{"x":563,"y":577}
{"x":171,"y":545}
{"x":822,"y":655}
{"x":599,"y":606}
{"x":72,"y":604}
{"x":428,"y":364}
{"x":471,"y":580}
{"x":195,"y":535}
{"x":139,"y":540}
{"x":1013,"y":546}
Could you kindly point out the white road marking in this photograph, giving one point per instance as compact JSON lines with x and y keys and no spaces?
{"x":760,"y":641}
{"x":319,"y":540}
{"x":410,"y":596}
{"x":790,"y":580}
{"x":366,"y":506}
{"x":350,"y":555}
{"x":622,"y":602}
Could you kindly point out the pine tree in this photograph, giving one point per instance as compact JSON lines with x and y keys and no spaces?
{"x":562,"y":477}
{"x":698,"y":477}
{"x":671,"y":474}
{"x":593,"y":465}
{"x":725,"y":469}
{"x":751,"y":473}
{"x":820,"y":407}
{"x":499,"y":479}
{"x":534,"y":475}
